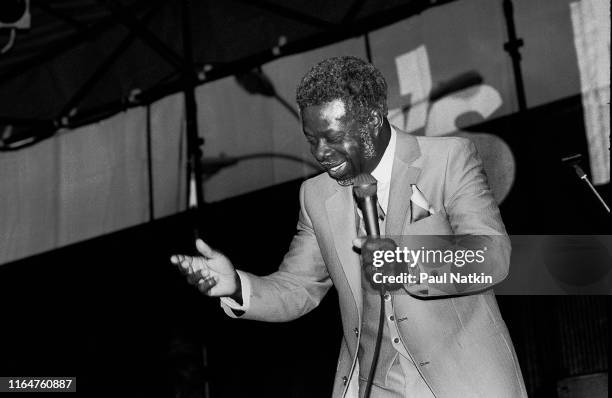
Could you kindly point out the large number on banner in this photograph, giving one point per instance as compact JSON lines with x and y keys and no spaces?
{"x":439,"y":117}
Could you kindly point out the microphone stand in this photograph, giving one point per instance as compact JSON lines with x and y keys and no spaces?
{"x":582,"y":175}
{"x":512,"y":46}
{"x":573,"y":161}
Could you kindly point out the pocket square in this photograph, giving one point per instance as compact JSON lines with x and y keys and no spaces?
{"x":421,"y":207}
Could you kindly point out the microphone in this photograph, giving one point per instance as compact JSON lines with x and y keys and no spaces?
{"x":364,"y":189}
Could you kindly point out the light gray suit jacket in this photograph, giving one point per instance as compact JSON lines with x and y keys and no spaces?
{"x":460,"y":344}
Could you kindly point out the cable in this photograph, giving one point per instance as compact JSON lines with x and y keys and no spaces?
{"x":381,"y":325}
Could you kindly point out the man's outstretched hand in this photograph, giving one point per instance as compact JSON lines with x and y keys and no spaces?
{"x":212,"y":273}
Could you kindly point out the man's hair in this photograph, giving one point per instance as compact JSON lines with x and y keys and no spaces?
{"x":358,"y":83}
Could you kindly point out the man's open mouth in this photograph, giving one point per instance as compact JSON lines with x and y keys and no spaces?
{"x":337,"y":170}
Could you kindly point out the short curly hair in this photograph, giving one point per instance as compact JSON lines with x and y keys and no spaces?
{"x":358,"y":83}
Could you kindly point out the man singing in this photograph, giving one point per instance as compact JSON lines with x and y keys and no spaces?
{"x":433,"y":344}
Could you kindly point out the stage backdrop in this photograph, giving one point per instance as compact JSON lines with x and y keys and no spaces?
{"x":446,"y":69}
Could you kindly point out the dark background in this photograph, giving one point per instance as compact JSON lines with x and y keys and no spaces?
{"x":115,"y":313}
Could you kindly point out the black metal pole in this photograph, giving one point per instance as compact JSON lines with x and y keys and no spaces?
{"x":368,"y":48}
{"x":194,"y":150}
{"x":512,"y":46}
{"x":194,"y":142}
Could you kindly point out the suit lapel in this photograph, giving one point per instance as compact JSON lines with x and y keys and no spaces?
{"x":341,"y":213}
{"x":402,"y":175}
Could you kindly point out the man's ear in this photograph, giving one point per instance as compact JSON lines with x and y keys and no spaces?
{"x":375,"y":121}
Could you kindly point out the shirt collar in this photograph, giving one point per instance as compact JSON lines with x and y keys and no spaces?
{"x":382,"y":172}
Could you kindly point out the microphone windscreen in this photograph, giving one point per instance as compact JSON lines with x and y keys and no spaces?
{"x":364,"y":185}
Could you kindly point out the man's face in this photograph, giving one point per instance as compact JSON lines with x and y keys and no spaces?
{"x":340,"y":144}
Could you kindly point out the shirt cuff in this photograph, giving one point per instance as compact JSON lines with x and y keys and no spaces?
{"x":230,"y":305}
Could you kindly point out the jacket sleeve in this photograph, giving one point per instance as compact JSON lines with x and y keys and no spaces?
{"x":300,"y":282}
{"x":476,"y":224}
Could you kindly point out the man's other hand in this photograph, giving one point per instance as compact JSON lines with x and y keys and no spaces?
{"x":368,"y":246}
{"x":213,"y":273}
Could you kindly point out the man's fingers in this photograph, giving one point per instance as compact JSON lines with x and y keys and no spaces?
{"x":203,"y":273}
{"x":203,"y":248}
{"x":196,"y":270}
{"x":184,"y":263}
{"x":374,"y":243}
{"x":358,"y":242}
{"x":189,"y":265}
{"x":193,"y":279}
{"x":361,"y":243}
{"x":204,"y":285}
